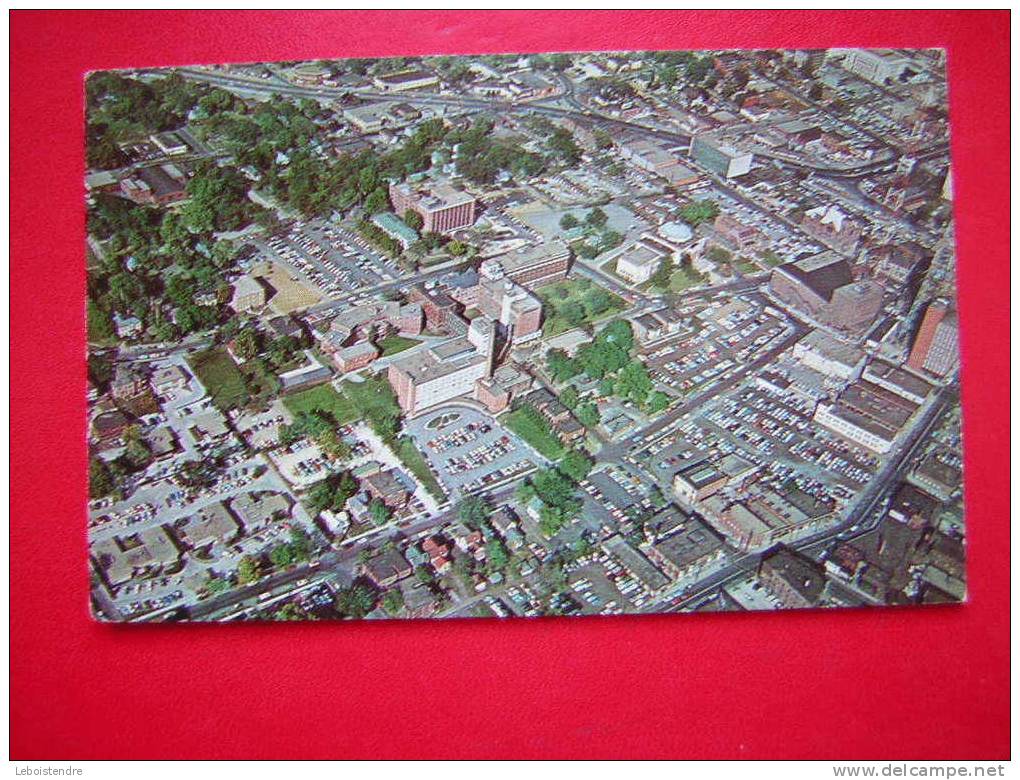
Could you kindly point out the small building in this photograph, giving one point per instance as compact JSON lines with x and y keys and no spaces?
{"x":385,"y":486}
{"x":355,"y":357}
{"x":386,"y":568}
{"x":638,"y":263}
{"x":698,"y":481}
{"x":249,"y":295}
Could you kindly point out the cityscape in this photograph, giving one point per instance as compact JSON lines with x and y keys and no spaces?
{"x":522,"y":335}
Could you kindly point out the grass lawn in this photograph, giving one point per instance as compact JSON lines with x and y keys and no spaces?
{"x":681,"y":280}
{"x":770,"y":258}
{"x":351,"y":404}
{"x":745,"y":266}
{"x":391,"y":345}
{"x":569,"y":304}
{"x":534,"y":429}
{"x":347,"y":406}
{"x":410,"y":456}
{"x":222,"y":379}
{"x":323,"y":398}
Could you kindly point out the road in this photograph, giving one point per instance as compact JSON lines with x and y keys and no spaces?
{"x":328,"y":565}
{"x":877,"y":489}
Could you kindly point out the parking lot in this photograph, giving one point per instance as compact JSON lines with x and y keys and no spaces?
{"x":716,"y":351}
{"x":774,"y":433}
{"x":470,"y":450}
{"x":335,"y":260}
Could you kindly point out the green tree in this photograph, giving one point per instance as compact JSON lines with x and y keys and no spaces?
{"x":587,"y":414}
{"x":281,"y":556}
{"x":496,"y":555}
{"x":393,"y":601}
{"x":413,"y":219}
{"x":246,"y":343}
{"x":101,"y":482}
{"x":377,"y":201}
{"x":248,"y":570}
{"x":663,"y":273}
{"x":379,"y":512}
{"x":576,"y":465}
{"x":598,"y":301}
{"x":473,"y":511}
{"x":569,"y":397}
{"x":657,"y":401}
{"x":355,"y":601}
{"x":596,"y":218}
{"x":568,"y":222}
{"x":560,"y":366}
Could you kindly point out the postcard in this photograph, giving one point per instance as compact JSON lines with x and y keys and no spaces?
{"x":558,"y":334}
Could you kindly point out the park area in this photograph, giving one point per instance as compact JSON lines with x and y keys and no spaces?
{"x":221,"y":378}
{"x":355,"y":401}
{"x":576,"y":302}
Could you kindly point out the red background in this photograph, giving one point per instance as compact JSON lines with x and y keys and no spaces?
{"x":906,"y":683}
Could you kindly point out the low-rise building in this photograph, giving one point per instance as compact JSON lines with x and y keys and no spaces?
{"x":405,"y":80}
{"x":636,"y":564}
{"x":211,"y":525}
{"x":386,"y":568}
{"x":637,"y":263}
{"x":249,"y":294}
{"x":829,"y":356}
{"x":698,"y":481}
{"x":796,"y":581}
{"x":355,"y":357}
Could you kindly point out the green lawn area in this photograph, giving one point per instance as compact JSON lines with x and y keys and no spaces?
{"x":411,"y":457}
{"x":347,"y":406}
{"x":682,"y":279}
{"x":391,"y":345}
{"x":534,"y":429}
{"x":770,"y":258}
{"x":222,"y":379}
{"x":745,"y":266}
{"x":323,"y":398}
{"x":352,"y":403}
{"x":575,"y":302}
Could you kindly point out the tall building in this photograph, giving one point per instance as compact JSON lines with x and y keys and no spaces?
{"x":518,"y":312}
{"x":936,"y":348}
{"x":822,"y":287}
{"x":875,"y":65}
{"x":440,"y":373}
{"x":443,"y":208}
{"x":719,"y":157}
{"x":531,"y":268}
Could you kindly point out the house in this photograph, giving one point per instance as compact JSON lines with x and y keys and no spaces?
{"x":386,"y":568}
{"x":420,"y":601}
{"x":166,"y":380}
{"x":386,"y":487}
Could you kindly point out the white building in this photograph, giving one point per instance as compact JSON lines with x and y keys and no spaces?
{"x":637,"y":263}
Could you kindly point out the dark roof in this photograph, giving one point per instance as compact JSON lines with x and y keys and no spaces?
{"x":823,"y":278}
{"x":798,"y":572}
{"x":160,"y":182}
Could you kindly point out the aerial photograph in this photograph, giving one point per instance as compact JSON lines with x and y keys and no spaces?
{"x":563,"y":334}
